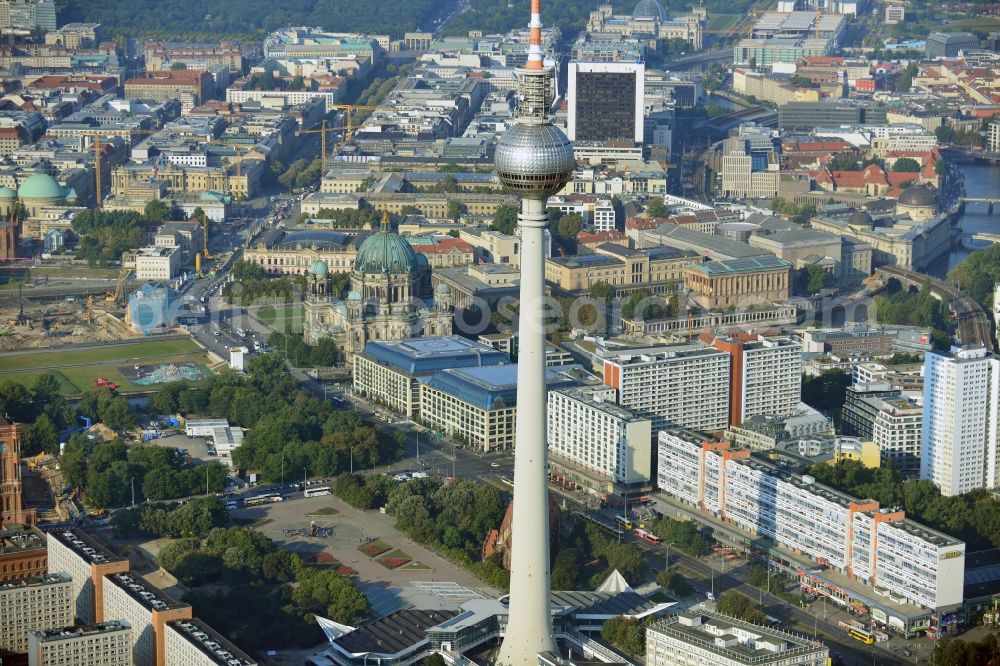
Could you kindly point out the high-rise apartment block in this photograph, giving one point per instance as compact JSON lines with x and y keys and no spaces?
{"x":675,"y":386}
{"x":33,"y":603}
{"x":129,"y":597}
{"x":897,"y":432}
{"x":704,"y":637}
{"x":959,"y":443}
{"x":765,"y":375}
{"x":194,"y":643}
{"x":605,"y":101}
{"x":104,"y":644}
{"x":73,"y":552}
{"x":899,"y":559}
{"x":596,"y":443}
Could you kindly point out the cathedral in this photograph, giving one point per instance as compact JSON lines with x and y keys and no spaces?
{"x":390,"y":297}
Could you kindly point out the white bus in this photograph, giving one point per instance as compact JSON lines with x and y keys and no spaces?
{"x":263,"y":499}
{"x":318,"y":491}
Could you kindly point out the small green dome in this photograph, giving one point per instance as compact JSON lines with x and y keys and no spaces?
{"x":7,"y":193}
{"x":319,"y":268}
{"x":353,"y":296}
{"x":385,"y":252}
{"x":41,"y":186}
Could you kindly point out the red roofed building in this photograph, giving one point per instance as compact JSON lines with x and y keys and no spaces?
{"x":170,"y":84}
{"x":445,"y":252}
{"x":76,"y":82}
{"x":592,"y":240}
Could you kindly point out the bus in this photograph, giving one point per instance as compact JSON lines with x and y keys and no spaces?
{"x":317,"y":491}
{"x":263,"y":499}
{"x":647,"y":536}
{"x":624,"y":522}
{"x":865,"y":637}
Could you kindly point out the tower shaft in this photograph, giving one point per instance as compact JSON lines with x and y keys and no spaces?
{"x":529,"y":624}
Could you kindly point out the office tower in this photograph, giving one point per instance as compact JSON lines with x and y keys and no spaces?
{"x":958,"y":448}
{"x":534,"y":160}
{"x":605,"y":101}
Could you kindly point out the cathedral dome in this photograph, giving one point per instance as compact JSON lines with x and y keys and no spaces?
{"x":918,"y":195}
{"x":385,"y":252}
{"x":41,"y":186}
{"x":319,"y":268}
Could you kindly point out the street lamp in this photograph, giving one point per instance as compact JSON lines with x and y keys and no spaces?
{"x":282,"y":471}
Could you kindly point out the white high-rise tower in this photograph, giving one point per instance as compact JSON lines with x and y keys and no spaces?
{"x":533,"y":160}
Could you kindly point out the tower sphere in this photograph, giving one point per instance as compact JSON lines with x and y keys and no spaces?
{"x":534,"y":160}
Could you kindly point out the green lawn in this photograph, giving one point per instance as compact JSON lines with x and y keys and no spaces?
{"x":280,"y":318}
{"x":723,"y":22}
{"x":77,"y":369}
{"x":55,"y":358}
{"x":979,"y":24}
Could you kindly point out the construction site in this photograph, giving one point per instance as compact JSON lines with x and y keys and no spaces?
{"x":35,"y":316}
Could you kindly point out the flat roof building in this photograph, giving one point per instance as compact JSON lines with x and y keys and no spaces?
{"x":194,"y":643}
{"x":146,"y":609}
{"x":478,"y":405}
{"x":907,"y":564}
{"x":388,"y":371}
{"x":704,"y":637}
{"x":22,"y":554}
{"x":72,"y":551}
{"x":104,"y":644}
{"x":596,"y":443}
{"x":674,"y":386}
{"x":33,"y":603}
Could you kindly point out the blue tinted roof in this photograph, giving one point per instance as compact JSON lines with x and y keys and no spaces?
{"x":425,"y":355}
{"x":492,"y":387}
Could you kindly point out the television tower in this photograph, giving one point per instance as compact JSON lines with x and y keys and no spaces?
{"x":533,"y":160}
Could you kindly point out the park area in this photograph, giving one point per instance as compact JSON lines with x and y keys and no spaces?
{"x":78,"y":368}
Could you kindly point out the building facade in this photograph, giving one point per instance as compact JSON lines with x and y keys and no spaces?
{"x":12,"y":509}
{"x":605,"y":101}
{"x":387,"y":372}
{"x":765,"y":376}
{"x":595,"y":443}
{"x":22,"y":554}
{"x":87,"y":562}
{"x":104,"y":644}
{"x":739,"y":283}
{"x":157,"y":263}
{"x":704,"y":637}
{"x":680,"y":386}
{"x":146,"y":610}
{"x":33,"y":603}
{"x":903,"y":561}
{"x":959,"y":442}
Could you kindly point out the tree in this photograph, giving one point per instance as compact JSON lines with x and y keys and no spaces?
{"x":157,"y":210}
{"x":455,"y":210}
{"x":741,"y":607}
{"x":827,"y":391}
{"x":248,"y":270}
{"x":675,"y":582}
{"x":656,"y":208}
{"x":627,"y":633}
{"x":812,"y":279}
{"x":906,"y":77}
{"x":906,"y":165}
{"x":118,"y":414}
{"x":505,"y":220}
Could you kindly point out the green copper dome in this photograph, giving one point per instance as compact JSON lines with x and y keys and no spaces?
{"x":319,"y":268}
{"x":7,"y":193}
{"x":41,"y":186}
{"x":385,"y":252}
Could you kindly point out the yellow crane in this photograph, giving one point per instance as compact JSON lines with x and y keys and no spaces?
{"x":118,"y":295}
{"x":96,"y":136}
{"x":348,"y":128}
{"x":239,"y":158}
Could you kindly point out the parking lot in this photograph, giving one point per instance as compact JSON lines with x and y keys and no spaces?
{"x":194,"y":446}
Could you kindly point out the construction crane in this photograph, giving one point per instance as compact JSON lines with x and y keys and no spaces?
{"x":96,"y":136}
{"x":88,"y":314}
{"x":239,"y":158}
{"x":118,"y":295}
{"x":348,"y":129}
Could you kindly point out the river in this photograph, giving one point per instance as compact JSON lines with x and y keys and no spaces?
{"x":981,"y":180}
